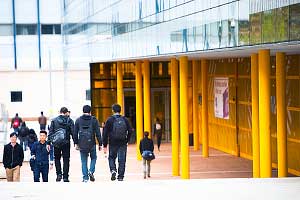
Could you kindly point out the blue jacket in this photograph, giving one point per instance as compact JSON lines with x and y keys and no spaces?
{"x":41,"y":154}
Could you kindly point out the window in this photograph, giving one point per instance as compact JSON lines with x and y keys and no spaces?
{"x":57,"y":29}
{"x":16,"y":96}
{"x":47,"y":29}
{"x":6,"y":30}
{"x":88,"y":95}
{"x":26,"y":29}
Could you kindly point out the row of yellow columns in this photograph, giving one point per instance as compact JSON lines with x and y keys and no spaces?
{"x":261,"y":134}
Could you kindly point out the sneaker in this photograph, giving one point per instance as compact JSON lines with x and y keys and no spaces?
{"x":58,"y":178}
{"x":113,"y":175}
{"x":85,"y":181}
{"x":92,"y":178}
{"x":66,"y":180}
{"x":120,"y":179}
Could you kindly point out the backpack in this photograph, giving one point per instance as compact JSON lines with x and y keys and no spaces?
{"x":86,"y":135}
{"x":119,"y":129}
{"x":16,"y":123}
{"x":23,"y":132}
{"x":59,"y":137}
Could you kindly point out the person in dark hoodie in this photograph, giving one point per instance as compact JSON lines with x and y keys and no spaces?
{"x":13,"y":157}
{"x":23,"y":135}
{"x":117,"y":132}
{"x":62,"y":121}
{"x":146,"y":148}
{"x":40,"y":152}
{"x":86,"y":127}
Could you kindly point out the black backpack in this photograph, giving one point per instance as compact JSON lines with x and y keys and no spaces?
{"x":86,"y":134}
{"x":23,"y":132}
{"x":119,"y":129}
{"x":59,"y":137}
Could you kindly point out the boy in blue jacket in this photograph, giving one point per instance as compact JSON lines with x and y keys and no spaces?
{"x":40,"y":153}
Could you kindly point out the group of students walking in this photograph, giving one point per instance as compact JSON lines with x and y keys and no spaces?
{"x":51,"y":147}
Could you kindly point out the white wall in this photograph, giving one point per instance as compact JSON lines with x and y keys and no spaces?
{"x":6,"y":12}
{"x":35,"y":87}
{"x":50,"y":11}
{"x":26,"y":11}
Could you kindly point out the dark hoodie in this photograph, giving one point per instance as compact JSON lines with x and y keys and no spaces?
{"x":65,"y":122}
{"x":85,"y":120}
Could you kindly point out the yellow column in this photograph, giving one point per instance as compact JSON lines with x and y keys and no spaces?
{"x":147,"y":98}
{"x":184,"y":134}
{"x":205,"y":149}
{"x":139,"y":107}
{"x":120,"y":85}
{"x":195,"y":105}
{"x":264,"y":113}
{"x":281,"y":114}
{"x":255,"y":127}
{"x":175,"y":117}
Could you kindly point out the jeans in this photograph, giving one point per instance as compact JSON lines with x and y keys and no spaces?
{"x":41,"y":168}
{"x":42,"y":126}
{"x":84,"y":157}
{"x":65,"y":152}
{"x":120,"y":152}
{"x":23,"y":142}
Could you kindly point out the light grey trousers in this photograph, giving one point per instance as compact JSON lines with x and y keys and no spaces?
{"x":146,"y":167}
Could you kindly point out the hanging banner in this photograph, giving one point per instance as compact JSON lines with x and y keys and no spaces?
{"x":221,"y":101}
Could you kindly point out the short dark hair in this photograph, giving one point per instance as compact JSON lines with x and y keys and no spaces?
{"x":43,"y":131}
{"x":42,"y":113}
{"x":86,"y":109}
{"x":116,"y":108}
{"x":64,"y":110}
{"x":17,"y":114}
{"x":146,"y":133}
{"x":13,"y":134}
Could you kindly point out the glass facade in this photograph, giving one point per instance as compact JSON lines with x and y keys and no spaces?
{"x":108,"y":30}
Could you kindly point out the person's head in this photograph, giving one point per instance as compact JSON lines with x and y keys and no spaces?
{"x":43,"y":135}
{"x":23,"y":123}
{"x":64,"y":111}
{"x":103,"y":124}
{"x":146,"y":134}
{"x":68,"y":113}
{"x":116,"y":108}
{"x":86,"y":109}
{"x":13,"y":137}
{"x":157,"y":119}
{"x":17,"y":114}
{"x":42,"y":113}
{"x":32,"y":132}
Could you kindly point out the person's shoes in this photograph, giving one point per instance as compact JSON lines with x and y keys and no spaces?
{"x":58,"y":178}
{"x":66,"y":180}
{"x":85,"y":181}
{"x":144,"y":176}
{"x":92,"y":178}
{"x":113,"y":175}
{"x":120,"y":179}
{"x":149,"y":176}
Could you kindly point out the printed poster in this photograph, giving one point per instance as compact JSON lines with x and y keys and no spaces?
{"x":221,"y":101}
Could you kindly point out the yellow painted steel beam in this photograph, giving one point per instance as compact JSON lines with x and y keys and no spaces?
{"x":175,"y":117}
{"x":204,"y":75}
{"x":120,"y":85}
{"x":281,"y":114}
{"x":147,"y":98}
{"x":264,"y":69}
{"x":184,"y":135}
{"x":255,"y":116}
{"x":139,"y":106}
{"x":195,"y":105}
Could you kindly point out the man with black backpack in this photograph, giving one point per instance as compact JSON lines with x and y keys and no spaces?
{"x":86,"y":128}
{"x":60,"y":132}
{"x":117,"y":132}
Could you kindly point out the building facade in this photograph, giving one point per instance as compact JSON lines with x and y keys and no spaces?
{"x":33,"y":75}
{"x":223,"y":72}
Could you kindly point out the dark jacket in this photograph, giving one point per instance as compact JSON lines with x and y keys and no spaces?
{"x":65,"y":122}
{"x":85,"y":120}
{"x":23,"y":131}
{"x":146,"y":144}
{"x":12,"y":156}
{"x":41,"y":153}
{"x":108,"y":131}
